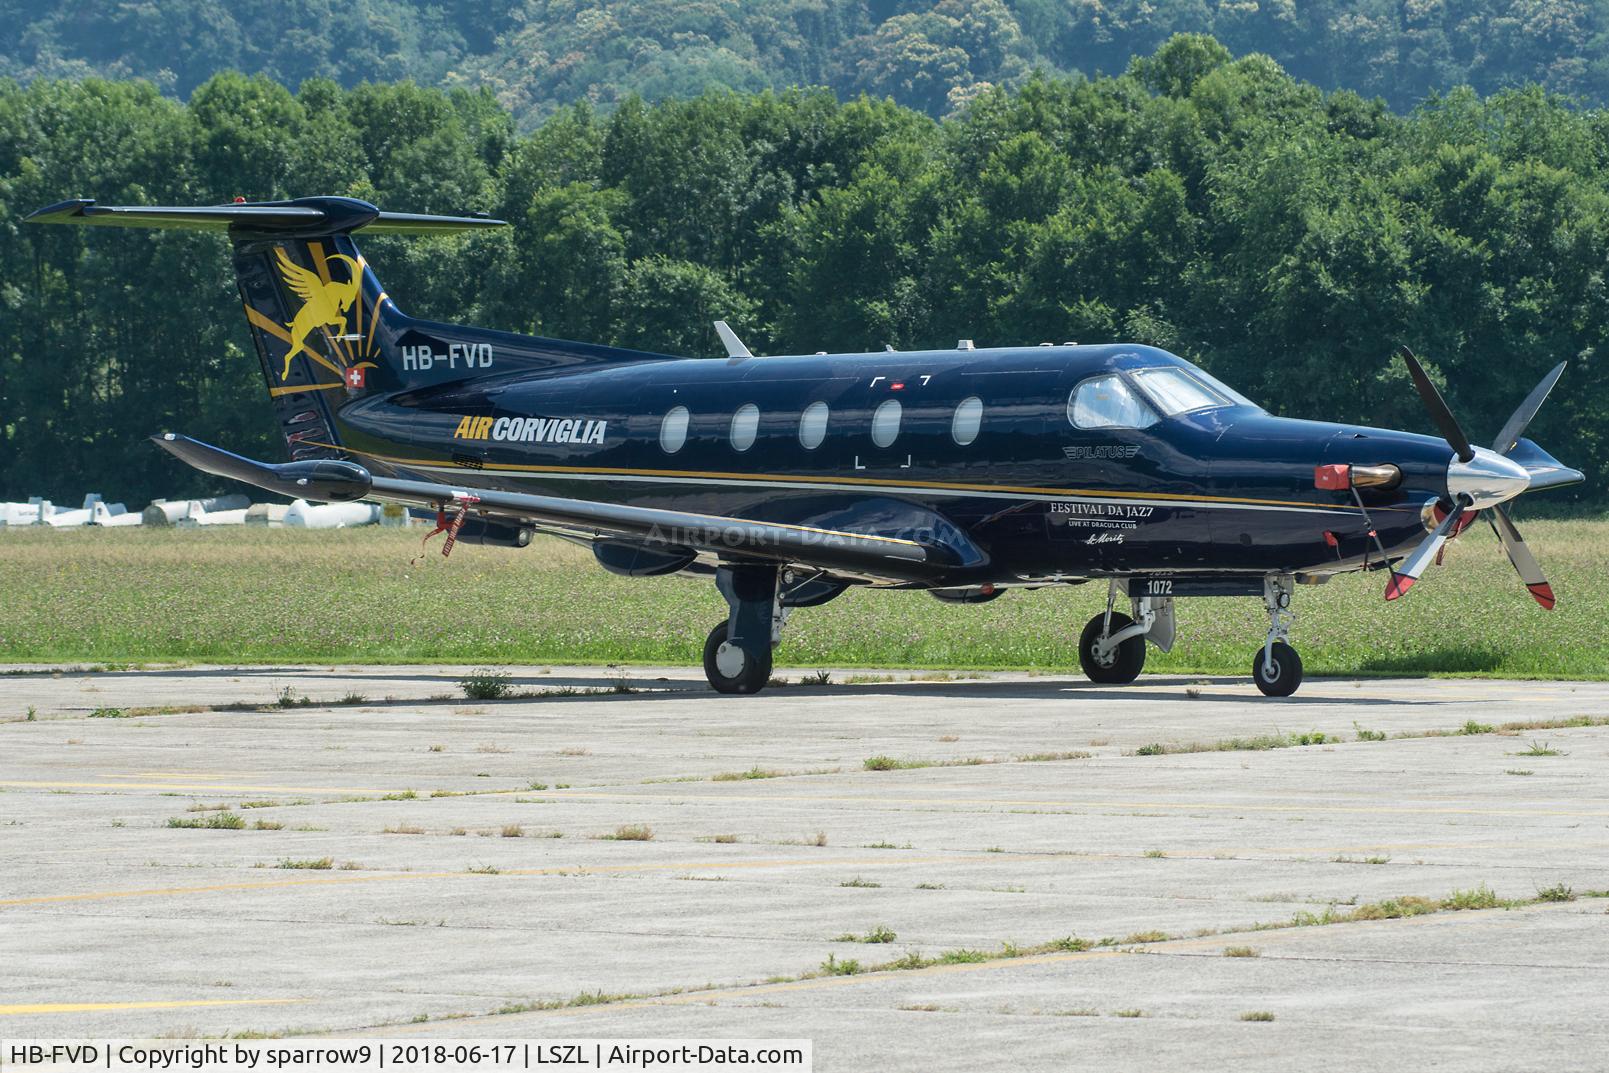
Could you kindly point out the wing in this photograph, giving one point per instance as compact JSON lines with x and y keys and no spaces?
{"x":878,"y":555}
{"x":303,"y":281}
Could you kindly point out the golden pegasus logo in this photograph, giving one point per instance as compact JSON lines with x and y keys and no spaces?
{"x":324,"y":304}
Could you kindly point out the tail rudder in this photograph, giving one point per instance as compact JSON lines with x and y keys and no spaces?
{"x":314,"y":307}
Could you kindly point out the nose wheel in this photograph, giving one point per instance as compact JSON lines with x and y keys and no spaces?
{"x":1276,"y":668}
{"x":1277,"y":671}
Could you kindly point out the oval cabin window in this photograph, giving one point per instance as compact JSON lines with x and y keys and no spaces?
{"x":745,"y":425}
{"x":813,"y":426}
{"x":885,"y":423}
{"x":968,"y":419}
{"x":673,"y":430}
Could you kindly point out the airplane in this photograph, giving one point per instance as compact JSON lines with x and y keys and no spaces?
{"x":965,"y":472}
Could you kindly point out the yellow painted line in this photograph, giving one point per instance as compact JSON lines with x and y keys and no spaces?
{"x":727,"y":865}
{"x":564,"y":870}
{"x":97,"y":1007}
{"x":178,"y":775}
{"x":151,"y":892}
{"x":171,"y":774}
{"x":210,"y":787}
{"x":1379,"y":847}
{"x":992,"y":802}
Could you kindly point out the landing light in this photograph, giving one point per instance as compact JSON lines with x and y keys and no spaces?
{"x":1338,"y":477}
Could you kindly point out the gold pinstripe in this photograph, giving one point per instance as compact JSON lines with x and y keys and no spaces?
{"x":831,"y":479}
{"x":374,"y":318}
{"x":276,"y":392}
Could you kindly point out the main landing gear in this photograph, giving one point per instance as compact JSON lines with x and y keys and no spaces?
{"x":737,"y":653}
{"x":760,"y":596}
{"x":1111,"y":649}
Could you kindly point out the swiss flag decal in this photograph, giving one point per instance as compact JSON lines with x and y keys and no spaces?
{"x":354,"y":378}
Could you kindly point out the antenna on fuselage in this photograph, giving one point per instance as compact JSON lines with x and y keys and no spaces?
{"x":734,"y":345}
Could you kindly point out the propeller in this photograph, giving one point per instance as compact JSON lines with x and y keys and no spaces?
{"x":1404,"y":576}
{"x":1520,"y":555}
{"x":1440,"y":412}
{"x":1479,"y":480}
{"x":1515,"y":428}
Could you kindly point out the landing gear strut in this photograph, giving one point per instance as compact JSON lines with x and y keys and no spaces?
{"x":1111,"y":650}
{"x":1277,"y":669}
{"x":737,"y":653}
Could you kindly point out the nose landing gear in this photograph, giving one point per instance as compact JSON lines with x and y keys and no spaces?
{"x":1277,"y":669}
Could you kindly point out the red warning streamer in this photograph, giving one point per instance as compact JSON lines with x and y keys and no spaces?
{"x":450,"y":527}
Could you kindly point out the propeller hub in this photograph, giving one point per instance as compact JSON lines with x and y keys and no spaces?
{"x":1486,"y":479}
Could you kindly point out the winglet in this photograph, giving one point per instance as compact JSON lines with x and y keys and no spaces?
{"x":734,"y":345}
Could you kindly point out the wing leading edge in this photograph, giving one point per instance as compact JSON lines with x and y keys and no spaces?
{"x":339,"y":481}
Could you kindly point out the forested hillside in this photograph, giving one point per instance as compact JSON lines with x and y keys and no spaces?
{"x":1285,"y":238}
{"x":538,"y":55}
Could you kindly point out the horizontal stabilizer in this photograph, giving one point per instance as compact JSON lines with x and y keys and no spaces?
{"x":303,"y":216}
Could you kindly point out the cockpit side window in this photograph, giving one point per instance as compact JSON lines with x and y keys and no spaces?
{"x":1108,"y":402}
{"x":1222,"y":388}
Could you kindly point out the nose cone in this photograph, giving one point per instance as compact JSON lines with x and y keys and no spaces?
{"x":1487,"y":479}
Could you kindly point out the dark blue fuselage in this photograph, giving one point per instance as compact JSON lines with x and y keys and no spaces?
{"x":1012,"y":484}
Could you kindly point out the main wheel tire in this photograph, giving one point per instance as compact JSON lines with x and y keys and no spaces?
{"x":1287,"y":672}
{"x":732,"y":670}
{"x":1123,"y":665}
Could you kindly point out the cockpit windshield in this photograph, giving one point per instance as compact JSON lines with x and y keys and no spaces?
{"x":1182,"y":389}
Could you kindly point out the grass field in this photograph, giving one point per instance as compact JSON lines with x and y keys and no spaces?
{"x":286,"y":595}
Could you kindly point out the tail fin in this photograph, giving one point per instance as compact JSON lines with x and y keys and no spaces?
{"x":324,"y":329}
{"x":315,"y":308}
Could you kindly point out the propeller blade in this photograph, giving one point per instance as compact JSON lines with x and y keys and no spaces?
{"x":1439,"y":411}
{"x":1403,"y":577}
{"x":1522,"y":417}
{"x":1520,"y":555}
